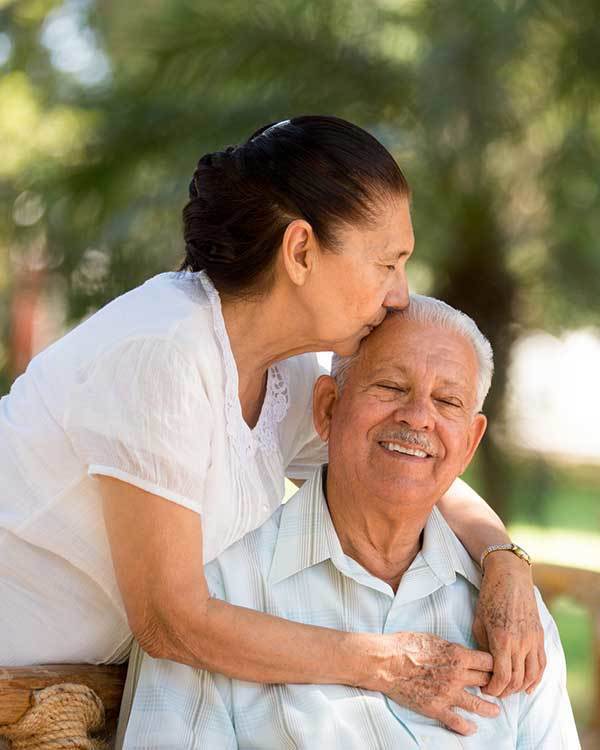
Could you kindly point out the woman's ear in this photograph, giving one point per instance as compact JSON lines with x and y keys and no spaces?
{"x":298,"y":250}
{"x":325,"y":394}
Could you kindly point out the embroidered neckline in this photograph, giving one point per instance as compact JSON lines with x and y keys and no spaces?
{"x":276,"y":401}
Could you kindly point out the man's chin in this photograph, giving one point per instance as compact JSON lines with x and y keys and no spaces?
{"x":405,"y":488}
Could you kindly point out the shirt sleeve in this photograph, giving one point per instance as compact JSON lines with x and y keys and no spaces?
{"x":545,"y":717}
{"x":304,"y":450}
{"x":140,"y":413}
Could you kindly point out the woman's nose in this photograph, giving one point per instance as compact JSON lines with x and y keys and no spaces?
{"x":397,"y":298}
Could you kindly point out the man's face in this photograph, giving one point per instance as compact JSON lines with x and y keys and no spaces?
{"x":404,"y":426}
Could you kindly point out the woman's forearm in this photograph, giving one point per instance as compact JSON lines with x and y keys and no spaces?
{"x":472,"y":519}
{"x":248,"y":645}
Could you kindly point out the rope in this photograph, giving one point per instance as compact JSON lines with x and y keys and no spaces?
{"x":60,"y":718}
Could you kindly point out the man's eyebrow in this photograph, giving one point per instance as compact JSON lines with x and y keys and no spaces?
{"x":389,"y":370}
{"x":448,"y":382}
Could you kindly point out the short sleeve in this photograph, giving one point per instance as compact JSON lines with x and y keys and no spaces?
{"x":303,"y":448}
{"x":140,"y":413}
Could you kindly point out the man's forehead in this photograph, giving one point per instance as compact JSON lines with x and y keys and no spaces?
{"x":401,"y":345}
{"x":448,"y":371}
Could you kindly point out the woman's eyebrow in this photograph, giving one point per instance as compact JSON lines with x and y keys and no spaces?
{"x":394,"y":254}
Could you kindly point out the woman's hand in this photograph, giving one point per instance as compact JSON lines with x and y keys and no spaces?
{"x":507,"y":623}
{"x":429,"y":676}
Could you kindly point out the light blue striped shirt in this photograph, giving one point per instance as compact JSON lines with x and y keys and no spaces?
{"x":294,"y":567}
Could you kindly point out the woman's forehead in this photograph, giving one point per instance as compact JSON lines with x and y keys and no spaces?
{"x":390,"y":230}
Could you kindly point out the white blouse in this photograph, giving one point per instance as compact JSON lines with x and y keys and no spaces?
{"x":145,"y":390}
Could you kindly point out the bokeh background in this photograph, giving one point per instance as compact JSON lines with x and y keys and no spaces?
{"x":492,"y":109}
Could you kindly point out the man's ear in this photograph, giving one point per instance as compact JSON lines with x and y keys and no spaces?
{"x":476,"y":432}
{"x":298,"y":250}
{"x":325,"y":394}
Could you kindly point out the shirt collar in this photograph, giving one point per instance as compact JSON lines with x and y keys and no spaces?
{"x":307,"y":537}
{"x":444,"y":554}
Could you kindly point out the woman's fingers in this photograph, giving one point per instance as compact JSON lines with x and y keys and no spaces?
{"x":476,"y":705}
{"x":518,"y":671}
{"x":502,"y":671}
{"x":468,"y":702}
{"x":475,"y":678}
{"x":541,"y":659}
{"x":433,"y":675}
{"x":532,"y":670}
{"x":479,"y":660}
{"x":456,"y":723}
{"x":479,"y":633}
{"x":507,"y":611}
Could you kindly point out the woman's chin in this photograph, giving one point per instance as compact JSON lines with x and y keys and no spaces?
{"x":348,"y":347}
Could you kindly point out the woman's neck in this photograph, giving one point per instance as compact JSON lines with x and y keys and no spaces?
{"x":264,"y":330}
{"x":261,"y":331}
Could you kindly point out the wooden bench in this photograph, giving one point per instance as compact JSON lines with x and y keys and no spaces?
{"x":20,"y":686}
{"x":582,"y":587}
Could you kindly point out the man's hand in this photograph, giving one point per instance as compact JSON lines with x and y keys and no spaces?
{"x":507,"y":623}
{"x":429,"y":676}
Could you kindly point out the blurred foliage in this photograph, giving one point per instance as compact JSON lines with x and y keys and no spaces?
{"x":491,"y":109}
{"x":576,"y":632}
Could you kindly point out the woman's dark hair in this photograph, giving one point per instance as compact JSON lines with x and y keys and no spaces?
{"x":321,"y":169}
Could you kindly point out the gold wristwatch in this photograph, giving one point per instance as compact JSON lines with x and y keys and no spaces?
{"x":514,"y":548}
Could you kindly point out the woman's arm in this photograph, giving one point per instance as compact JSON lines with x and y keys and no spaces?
{"x":156,"y":548}
{"x":507,"y":620}
{"x":472,"y":519}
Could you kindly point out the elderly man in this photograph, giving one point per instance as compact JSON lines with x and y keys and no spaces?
{"x":362,"y":547}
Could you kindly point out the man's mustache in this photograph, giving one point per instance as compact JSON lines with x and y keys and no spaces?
{"x":408,"y":436}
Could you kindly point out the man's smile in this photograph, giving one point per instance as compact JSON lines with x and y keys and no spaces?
{"x":405,"y":450}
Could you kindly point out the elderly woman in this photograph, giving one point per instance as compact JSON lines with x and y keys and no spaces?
{"x":159,"y":431}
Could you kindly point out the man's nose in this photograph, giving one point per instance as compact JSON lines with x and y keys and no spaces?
{"x":397,"y":298}
{"x":416,"y":412}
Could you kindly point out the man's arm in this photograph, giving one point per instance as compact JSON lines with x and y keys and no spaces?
{"x":545,"y":717}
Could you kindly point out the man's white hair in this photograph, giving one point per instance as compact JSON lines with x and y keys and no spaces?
{"x":433,"y":311}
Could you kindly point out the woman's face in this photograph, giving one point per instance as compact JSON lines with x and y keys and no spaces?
{"x":355,"y":287}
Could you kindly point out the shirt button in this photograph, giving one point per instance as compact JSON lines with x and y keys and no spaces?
{"x":265,"y":508}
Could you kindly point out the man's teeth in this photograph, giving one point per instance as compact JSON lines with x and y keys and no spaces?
{"x":403,"y":449}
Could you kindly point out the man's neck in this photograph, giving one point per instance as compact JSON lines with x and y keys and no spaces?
{"x":383,"y":540}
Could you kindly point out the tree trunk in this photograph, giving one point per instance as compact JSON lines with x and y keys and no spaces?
{"x":479,"y":283}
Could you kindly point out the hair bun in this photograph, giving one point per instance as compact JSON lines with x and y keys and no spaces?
{"x":193,"y":188}
{"x":322,"y":169}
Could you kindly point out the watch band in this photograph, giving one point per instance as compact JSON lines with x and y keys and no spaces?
{"x":514,"y":548}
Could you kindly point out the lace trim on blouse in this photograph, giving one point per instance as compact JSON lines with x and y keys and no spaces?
{"x":264,"y":435}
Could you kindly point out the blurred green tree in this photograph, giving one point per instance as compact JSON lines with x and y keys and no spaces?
{"x":491,"y":109}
